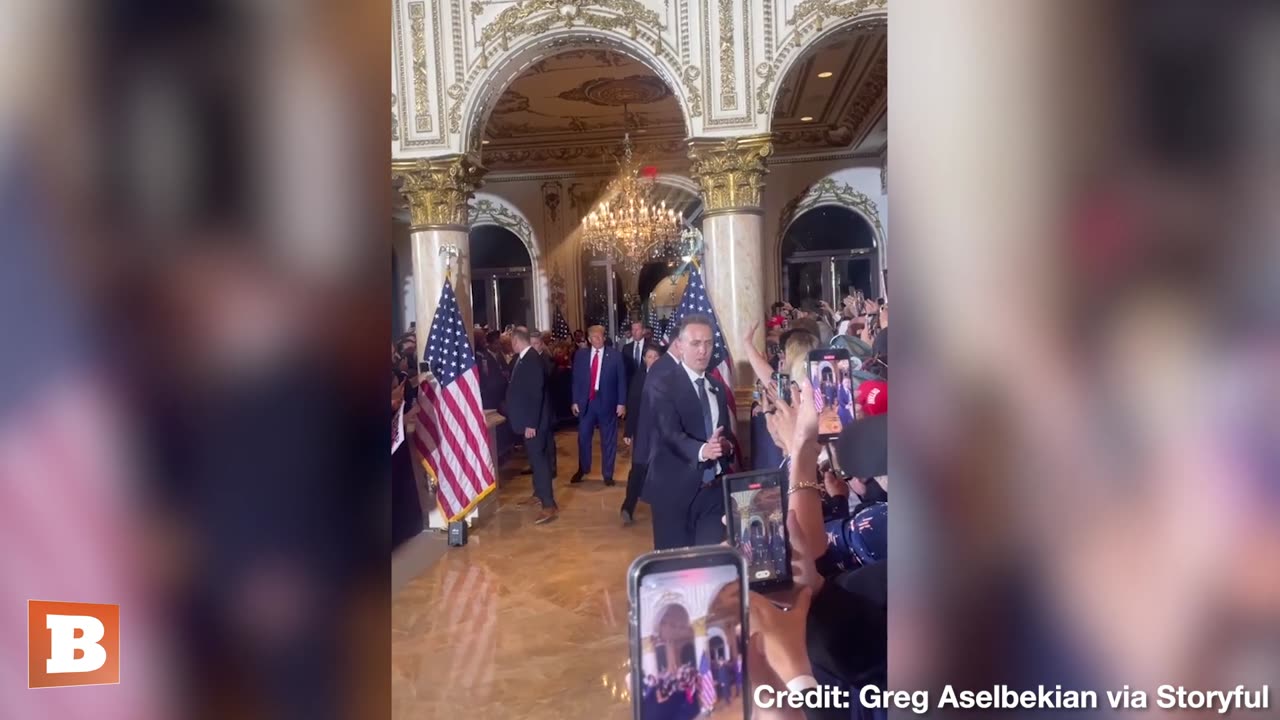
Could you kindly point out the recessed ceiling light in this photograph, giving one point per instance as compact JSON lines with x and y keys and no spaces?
{"x":826,"y":74}
{"x":806,"y":118}
{"x":484,"y":142}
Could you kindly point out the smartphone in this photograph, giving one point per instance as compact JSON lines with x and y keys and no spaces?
{"x":755,"y":507}
{"x":688,"y":623}
{"x":783,"y":382}
{"x":832,"y":382}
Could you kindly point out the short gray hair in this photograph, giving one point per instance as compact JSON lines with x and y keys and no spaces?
{"x":521,"y":335}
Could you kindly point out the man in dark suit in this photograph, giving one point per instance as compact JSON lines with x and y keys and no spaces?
{"x":634,"y":437}
{"x":494,"y":372}
{"x":633,"y":352}
{"x":692,"y":445}
{"x":544,"y":354}
{"x":529,"y":413}
{"x":599,"y":394}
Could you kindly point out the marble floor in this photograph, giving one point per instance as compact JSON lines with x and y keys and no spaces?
{"x":526,"y":621}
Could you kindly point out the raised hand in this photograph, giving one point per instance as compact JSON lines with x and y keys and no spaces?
{"x":714,"y":449}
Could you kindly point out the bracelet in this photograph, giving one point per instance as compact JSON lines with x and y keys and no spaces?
{"x":805,"y":485}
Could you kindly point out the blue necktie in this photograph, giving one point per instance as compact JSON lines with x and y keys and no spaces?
{"x":709,"y":473}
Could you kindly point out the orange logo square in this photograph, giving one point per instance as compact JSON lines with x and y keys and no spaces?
{"x":71,"y":643}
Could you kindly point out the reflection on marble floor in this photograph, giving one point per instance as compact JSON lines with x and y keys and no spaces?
{"x":525,"y":621}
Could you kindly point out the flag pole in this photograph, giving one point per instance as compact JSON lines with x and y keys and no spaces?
{"x":450,"y":253}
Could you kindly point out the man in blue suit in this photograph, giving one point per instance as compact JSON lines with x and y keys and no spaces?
{"x":599,"y":398}
{"x":692,"y":446}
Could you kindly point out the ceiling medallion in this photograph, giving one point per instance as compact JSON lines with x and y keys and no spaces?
{"x":617,"y":92}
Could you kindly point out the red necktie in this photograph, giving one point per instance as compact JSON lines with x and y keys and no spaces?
{"x":595,"y":368}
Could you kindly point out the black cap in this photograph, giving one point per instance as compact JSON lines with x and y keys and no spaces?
{"x":862,"y":450}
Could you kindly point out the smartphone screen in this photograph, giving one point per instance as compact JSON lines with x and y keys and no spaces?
{"x":756,"y":513}
{"x":832,"y":381}
{"x":783,"y":383}
{"x":690,"y":626}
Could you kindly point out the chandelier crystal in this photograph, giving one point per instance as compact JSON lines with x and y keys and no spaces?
{"x":626,"y":226}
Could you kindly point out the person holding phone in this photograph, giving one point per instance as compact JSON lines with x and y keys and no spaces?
{"x":693,"y":446}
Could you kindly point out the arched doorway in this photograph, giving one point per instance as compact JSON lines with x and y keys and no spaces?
{"x":826,"y":251}
{"x":674,"y":638}
{"x":501,"y":278}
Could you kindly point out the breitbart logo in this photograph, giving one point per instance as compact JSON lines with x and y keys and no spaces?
{"x":72,"y":644}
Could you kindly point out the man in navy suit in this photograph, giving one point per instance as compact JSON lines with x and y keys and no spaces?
{"x":692,"y":444}
{"x":633,"y":352}
{"x":599,"y":397}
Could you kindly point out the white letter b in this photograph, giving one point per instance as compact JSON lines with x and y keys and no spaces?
{"x":63,"y":644}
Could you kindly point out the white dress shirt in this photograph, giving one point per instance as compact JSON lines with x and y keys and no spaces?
{"x":711,"y":400}
{"x":520,"y":355}
{"x":639,"y":353}
{"x":595,"y":381}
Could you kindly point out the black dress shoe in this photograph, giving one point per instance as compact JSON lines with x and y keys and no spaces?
{"x":609,"y":482}
{"x":577,"y":477}
{"x":627,"y":517}
{"x":527,"y":471}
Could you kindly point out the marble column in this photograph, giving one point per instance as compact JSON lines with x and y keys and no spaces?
{"x":730,"y":172}
{"x":437,"y":190}
{"x":700,"y":641}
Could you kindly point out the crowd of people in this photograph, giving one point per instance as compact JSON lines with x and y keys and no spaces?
{"x":675,"y":414}
{"x":676,"y":694}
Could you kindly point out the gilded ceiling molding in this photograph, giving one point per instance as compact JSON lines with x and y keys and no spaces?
{"x":438,"y":189}
{"x":728,"y":80}
{"x":829,"y":192}
{"x":395,"y":119}
{"x":730,"y":171}
{"x":518,"y":21}
{"x":418,"y":35}
{"x":816,"y":12}
{"x":488,"y":212}
{"x":690,"y":76}
{"x":810,"y":15}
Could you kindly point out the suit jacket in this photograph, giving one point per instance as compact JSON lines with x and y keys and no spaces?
{"x":493,"y":379}
{"x":635,"y":396}
{"x":613,"y":378}
{"x":675,"y":473}
{"x":548,"y":363}
{"x":650,"y":385}
{"x":528,"y":402}
{"x":629,"y":357}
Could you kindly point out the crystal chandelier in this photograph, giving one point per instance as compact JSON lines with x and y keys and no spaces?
{"x":627,"y":227}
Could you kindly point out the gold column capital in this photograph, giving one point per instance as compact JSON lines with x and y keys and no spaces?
{"x":730,"y":171}
{"x":438,"y":188}
{"x":699,"y":625}
{"x":646,"y":643}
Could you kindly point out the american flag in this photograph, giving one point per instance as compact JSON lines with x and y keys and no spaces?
{"x":454,"y":438}
{"x":708,"y":683}
{"x":652,"y":319}
{"x":696,"y":302}
{"x":560,"y":327}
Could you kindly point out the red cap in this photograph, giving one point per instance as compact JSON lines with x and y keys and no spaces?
{"x":873,"y":396}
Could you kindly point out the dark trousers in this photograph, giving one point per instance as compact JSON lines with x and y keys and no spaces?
{"x":635,"y":485}
{"x":551,"y":451}
{"x":596,"y":413}
{"x":701,"y":522}
{"x":536,"y":447}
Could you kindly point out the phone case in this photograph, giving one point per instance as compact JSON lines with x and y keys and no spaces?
{"x":633,"y":618}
